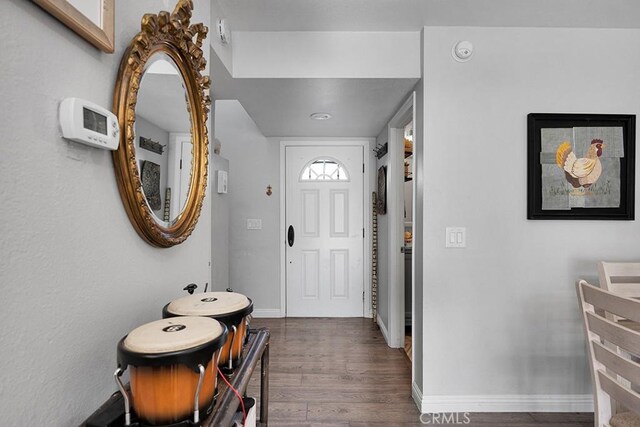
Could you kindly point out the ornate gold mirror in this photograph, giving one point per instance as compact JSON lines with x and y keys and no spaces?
{"x":162,"y":105}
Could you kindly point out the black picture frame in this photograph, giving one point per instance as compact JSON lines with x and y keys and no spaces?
{"x":538,"y":121}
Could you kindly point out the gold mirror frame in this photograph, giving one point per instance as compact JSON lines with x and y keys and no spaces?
{"x":173,"y":35}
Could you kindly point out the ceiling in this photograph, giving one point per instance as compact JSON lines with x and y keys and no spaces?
{"x":281,"y":107}
{"x":161,"y":100}
{"x":362,"y":107}
{"x":411,"y":15}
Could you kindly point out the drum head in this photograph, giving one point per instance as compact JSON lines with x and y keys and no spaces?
{"x":210,"y":304}
{"x":173,"y":334}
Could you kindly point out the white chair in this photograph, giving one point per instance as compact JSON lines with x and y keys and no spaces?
{"x":612,"y":371}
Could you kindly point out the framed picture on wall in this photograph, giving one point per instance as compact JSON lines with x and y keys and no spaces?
{"x":94,"y":20}
{"x":581,"y":166}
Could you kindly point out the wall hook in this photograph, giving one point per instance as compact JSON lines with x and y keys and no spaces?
{"x":269,"y":190}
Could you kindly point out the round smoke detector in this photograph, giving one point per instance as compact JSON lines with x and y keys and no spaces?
{"x":462,"y":51}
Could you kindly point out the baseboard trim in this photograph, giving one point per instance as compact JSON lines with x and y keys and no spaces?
{"x":267,"y":313}
{"x":505,"y":403}
{"x":416,"y":393}
{"x":383,"y":329}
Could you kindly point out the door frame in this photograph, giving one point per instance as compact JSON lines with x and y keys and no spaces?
{"x":395,"y":211}
{"x":174,"y":152}
{"x":367,"y":144}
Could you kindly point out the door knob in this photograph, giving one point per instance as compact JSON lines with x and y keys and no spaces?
{"x":291,"y":235}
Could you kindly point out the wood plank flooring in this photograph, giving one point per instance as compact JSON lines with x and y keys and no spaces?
{"x":339,"y":372}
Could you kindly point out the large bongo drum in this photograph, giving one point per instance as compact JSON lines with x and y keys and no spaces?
{"x":173,"y":369}
{"x":230,"y":308}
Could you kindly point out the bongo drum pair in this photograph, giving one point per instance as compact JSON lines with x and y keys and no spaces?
{"x":173,"y":362}
{"x":230,"y":308}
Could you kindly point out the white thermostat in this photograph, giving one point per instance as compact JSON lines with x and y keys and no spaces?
{"x":88,"y":123}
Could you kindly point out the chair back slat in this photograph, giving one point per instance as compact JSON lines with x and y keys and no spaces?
{"x":614,"y":333}
{"x":624,"y":367}
{"x":612,"y":303}
{"x":624,"y":395}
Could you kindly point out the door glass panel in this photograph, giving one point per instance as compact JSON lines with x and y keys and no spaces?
{"x":324,"y":170}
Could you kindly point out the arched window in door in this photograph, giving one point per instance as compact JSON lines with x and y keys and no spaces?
{"x":324,"y":169}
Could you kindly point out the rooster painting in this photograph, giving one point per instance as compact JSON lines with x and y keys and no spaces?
{"x":582,"y":172}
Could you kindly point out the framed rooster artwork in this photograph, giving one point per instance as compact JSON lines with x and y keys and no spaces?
{"x":581,"y":166}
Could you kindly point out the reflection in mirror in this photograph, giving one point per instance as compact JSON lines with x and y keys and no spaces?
{"x":163,"y":139}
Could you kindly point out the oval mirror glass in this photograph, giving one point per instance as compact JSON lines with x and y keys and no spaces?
{"x":163,"y":138}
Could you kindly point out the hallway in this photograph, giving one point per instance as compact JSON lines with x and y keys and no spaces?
{"x":335,"y":372}
{"x":339,"y":372}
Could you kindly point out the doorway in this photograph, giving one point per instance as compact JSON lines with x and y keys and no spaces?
{"x":325,"y":232}
{"x":401,"y":197}
{"x":407,"y":249}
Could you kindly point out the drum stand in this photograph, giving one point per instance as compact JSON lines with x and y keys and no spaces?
{"x":256,"y":351}
{"x":228,"y":371}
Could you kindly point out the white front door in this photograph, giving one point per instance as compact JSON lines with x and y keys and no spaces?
{"x":324,"y":231}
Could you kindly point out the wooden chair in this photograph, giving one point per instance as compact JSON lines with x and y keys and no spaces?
{"x":612,"y":371}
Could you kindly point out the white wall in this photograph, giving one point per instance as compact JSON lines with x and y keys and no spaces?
{"x":500,"y":317}
{"x":418,"y":234}
{"x":253,"y":164}
{"x":74,"y":275}
{"x":220,"y":221}
{"x":335,"y":54}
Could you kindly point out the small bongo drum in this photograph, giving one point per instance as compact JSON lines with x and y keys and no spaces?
{"x":172,"y":369}
{"x":230,"y":308}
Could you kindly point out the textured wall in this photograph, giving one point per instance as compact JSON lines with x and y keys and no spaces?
{"x":220,"y":220}
{"x":508,"y":300}
{"x":74,"y":275}
{"x":254,"y":163}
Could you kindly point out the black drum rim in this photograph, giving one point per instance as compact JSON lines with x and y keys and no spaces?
{"x":201,"y":354}
{"x":231,"y":318}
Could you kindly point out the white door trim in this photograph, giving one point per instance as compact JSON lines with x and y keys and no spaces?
{"x":367,"y":144}
{"x":395,"y":209}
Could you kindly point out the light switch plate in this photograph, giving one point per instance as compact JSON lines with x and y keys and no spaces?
{"x":254,"y":224}
{"x":223,"y":182}
{"x":456,"y":237}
